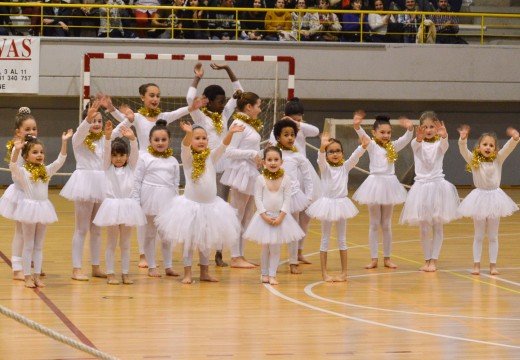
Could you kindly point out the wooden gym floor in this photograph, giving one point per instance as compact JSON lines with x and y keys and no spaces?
{"x":377,"y":314}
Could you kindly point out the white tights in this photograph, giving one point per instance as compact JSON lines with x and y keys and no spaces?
{"x":431,"y":248}
{"x":187,"y":256}
{"x":17,"y":247}
{"x":85,"y":212}
{"x":341,"y":234}
{"x":124,"y":233}
{"x":492,"y":234}
{"x":270,"y":259}
{"x":380,"y":218}
{"x":245,"y":205}
{"x":149,"y":245}
{"x":33,"y":235}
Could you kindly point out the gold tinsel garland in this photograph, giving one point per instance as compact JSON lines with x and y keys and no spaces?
{"x":166,"y":154}
{"x":38,"y":172}
{"x":432,"y":139}
{"x":9,"y":146}
{"x":283,"y":147}
{"x":216,"y":118}
{"x":199,"y":163}
{"x":91,"y":138}
{"x":391,"y":154}
{"x":272,"y":175}
{"x":478,"y":158}
{"x":338,"y":164}
{"x":149,"y":112}
{"x":255,"y":123}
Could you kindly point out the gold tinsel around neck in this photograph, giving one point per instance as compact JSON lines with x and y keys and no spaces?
{"x":216,"y":118}
{"x":166,"y":154}
{"x":479,"y":158}
{"x":91,"y":138}
{"x":286,"y":148}
{"x":391,"y":154}
{"x":255,"y":123}
{"x":149,"y":113}
{"x":199,"y":163}
{"x":37,"y":171}
{"x":272,"y":175}
{"x":338,"y":164}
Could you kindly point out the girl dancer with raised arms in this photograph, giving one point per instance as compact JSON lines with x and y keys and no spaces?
{"x":25,"y":124}
{"x":200,"y":220}
{"x":334,"y":205}
{"x":119,"y":212}
{"x":432,"y":201}
{"x":35,"y":211}
{"x":272,"y":225}
{"x":381,"y":190}
{"x":488,"y":202}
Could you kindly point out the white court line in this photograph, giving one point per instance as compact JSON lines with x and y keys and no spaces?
{"x":375,"y":323}
{"x":500,"y":279}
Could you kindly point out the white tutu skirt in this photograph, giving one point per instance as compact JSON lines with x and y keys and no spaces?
{"x":155,"y":198}
{"x":381,"y":190}
{"x":35,"y":211}
{"x":481,"y":204}
{"x":299,"y":202}
{"x":240,"y":176}
{"x":200,"y":226}
{"x":263,"y":233}
{"x":329,"y":209}
{"x":120,"y":212}
{"x":13,"y":195}
{"x":85,"y":185}
{"x":431,"y":202}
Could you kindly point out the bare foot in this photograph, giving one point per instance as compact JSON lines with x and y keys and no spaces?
{"x":390,"y":264}
{"x":264,"y":279}
{"x":493,"y":269}
{"x":294,"y":269}
{"x":241,"y":263}
{"x":425,"y":266}
{"x":252,"y":263}
{"x":97,"y":272}
{"x":170,"y":272}
{"x":372,"y":264}
{"x":18,"y":275}
{"x":476,"y":269}
{"x":187,"y":279}
{"x":272,"y":280}
{"x":341,"y":278}
{"x":153,"y":272}
{"x":126,"y":280}
{"x":29,"y":282}
{"x":38,"y":281}
{"x":78,"y":275}
{"x":218,"y":259}
{"x":111,"y":279}
{"x":326,"y":277}
{"x":208,"y":278}
{"x":303,"y":260}
{"x":142,"y":262}
{"x":432,"y":267}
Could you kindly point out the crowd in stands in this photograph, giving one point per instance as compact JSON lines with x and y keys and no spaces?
{"x":156,"y":20}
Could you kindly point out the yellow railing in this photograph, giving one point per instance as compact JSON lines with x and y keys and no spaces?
{"x":32,"y":20}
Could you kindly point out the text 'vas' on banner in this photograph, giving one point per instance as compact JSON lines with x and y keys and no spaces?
{"x":19,"y":65}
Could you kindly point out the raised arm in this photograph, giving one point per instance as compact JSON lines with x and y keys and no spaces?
{"x":134,"y":149}
{"x":510,"y":145}
{"x":400,"y":143}
{"x":463,"y":143}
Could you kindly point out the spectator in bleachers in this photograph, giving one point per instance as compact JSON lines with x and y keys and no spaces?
{"x":222,"y":24}
{"x":85,"y":20}
{"x":329,"y":27}
{"x":162,"y":22}
{"x":252,"y":22}
{"x":353,"y":30}
{"x":447,"y":26}
{"x":111,"y":27}
{"x":56,"y":19}
{"x":142,"y":16}
{"x":277,"y":21}
{"x":411,"y":21}
{"x":194,"y":22}
{"x":379,"y":23}
{"x":304,"y":24}
{"x":5,"y":21}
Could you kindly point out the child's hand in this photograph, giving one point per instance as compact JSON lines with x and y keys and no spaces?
{"x":464,"y":131}
{"x":18,"y":143}
{"x":198,"y":102}
{"x":186,"y":127}
{"x":406,"y":123}
{"x":441,"y":129}
{"x":513,"y":133}
{"x":92,"y":111}
{"x":287,"y":117}
{"x":258,"y":161}
{"x":67,"y":135}
{"x":365,"y":141}
{"x":278,"y":220}
{"x":105,"y":101}
{"x":267,"y":219}
{"x":127,"y":133}
{"x":236,"y":128}
{"x":127,"y":111}
{"x":217,"y":66}
{"x":198,"y":70}
{"x":325,"y":139}
{"x":109,"y":128}
{"x":359,"y":115}
{"x":419,"y":133}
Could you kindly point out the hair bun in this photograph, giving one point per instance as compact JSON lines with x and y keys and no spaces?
{"x":384,"y":118}
{"x":161,"y":122}
{"x":238,"y":94}
{"x":24,"y":110}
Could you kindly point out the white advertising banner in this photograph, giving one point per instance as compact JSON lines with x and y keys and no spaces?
{"x":19,"y":65}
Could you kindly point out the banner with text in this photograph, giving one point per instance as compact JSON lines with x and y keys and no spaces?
{"x":19,"y":65}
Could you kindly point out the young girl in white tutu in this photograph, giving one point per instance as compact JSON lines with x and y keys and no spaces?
{"x":334,"y":205}
{"x":381,"y":190}
{"x":119,"y":212}
{"x":35,"y":211}
{"x":297,"y":168}
{"x":487,"y":203}
{"x":272,"y":225}
{"x":156,"y":184}
{"x":200,"y":220}
{"x":242,"y":169}
{"x":86,"y":187}
{"x":25,"y":124}
{"x":432,"y":201}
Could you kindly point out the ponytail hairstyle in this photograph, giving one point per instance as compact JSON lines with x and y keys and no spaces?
{"x":294,"y":107}
{"x":381,"y":120}
{"x":272,"y":148}
{"x":428,"y":115}
{"x":30,"y":142}
{"x":245,"y":98}
{"x":119,"y":147}
{"x":334,"y":141}
{"x":24,"y":113}
{"x":143,"y":88}
{"x":279,"y":125}
{"x":160,"y":125}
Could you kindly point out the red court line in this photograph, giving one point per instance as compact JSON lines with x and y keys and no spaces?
{"x":56,"y":310}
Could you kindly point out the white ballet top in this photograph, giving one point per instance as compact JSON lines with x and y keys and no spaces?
{"x":120,"y":181}
{"x":428,"y":159}
{"x":489,"y":174}
{"x":87,"y":159}
{"x":273,"y":201}
{"x":334,"y":179}
{"x":306,"y":130}
{"x":295,"y":165}
{"x":204,"y":189}
{"x":379,"y":165}
{"x":244,"y":146}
